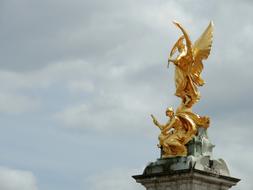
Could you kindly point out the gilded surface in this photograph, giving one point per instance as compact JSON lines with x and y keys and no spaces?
{"x":182,"y":124}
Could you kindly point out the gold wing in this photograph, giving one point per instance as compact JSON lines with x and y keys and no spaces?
{"x":201,"y":50}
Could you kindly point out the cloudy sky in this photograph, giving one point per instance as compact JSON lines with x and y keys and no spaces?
{"x":79,"y":79}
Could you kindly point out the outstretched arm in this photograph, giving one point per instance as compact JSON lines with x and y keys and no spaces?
{"x":169,"y":124}
{"x":186,"y":36}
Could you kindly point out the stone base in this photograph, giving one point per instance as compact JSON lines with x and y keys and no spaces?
{"x":188,"y":179}
{"x":196,"y":171}
{"x":204,"y":163}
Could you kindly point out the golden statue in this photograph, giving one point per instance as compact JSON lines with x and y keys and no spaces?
{"x":182,"y":125}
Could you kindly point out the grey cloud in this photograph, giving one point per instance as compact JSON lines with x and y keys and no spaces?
{"x":114,"y":179}
{"x":38,"y":33}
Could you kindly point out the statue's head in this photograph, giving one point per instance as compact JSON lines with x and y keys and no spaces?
{"x":181,"y":47}
{"x":178,"y":46}
{"x":169,"y":112}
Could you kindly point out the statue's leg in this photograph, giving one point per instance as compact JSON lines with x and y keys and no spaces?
{"x":176,"y":146}
{"x":166,"y":152}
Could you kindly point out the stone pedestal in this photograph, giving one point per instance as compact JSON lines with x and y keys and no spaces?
{"x":196,"y":171}
{"x":189,"y":179}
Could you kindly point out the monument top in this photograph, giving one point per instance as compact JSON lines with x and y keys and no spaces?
{"x":183,"y":124}
{"x":186,"y":160}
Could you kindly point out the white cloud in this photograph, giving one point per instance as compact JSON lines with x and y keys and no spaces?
{"x":74,"y":116}
{"x":16,"y":87}
{"x":119,"y":179}
{"x":12,"y":179}
{"x":15,"y":104}
{"x":80,"y":86}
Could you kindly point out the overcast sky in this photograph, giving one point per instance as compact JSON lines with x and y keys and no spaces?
{"x":79,"y":80}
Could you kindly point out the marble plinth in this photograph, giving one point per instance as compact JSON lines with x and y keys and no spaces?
{"x":196,"y":171}
{"x":188,"y":179}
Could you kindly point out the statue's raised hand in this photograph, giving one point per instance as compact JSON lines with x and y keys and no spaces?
{"x":154,"y":119}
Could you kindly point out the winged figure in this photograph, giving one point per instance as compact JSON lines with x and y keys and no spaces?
{"x":188,"y":64}
{"x":183,"y":124}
